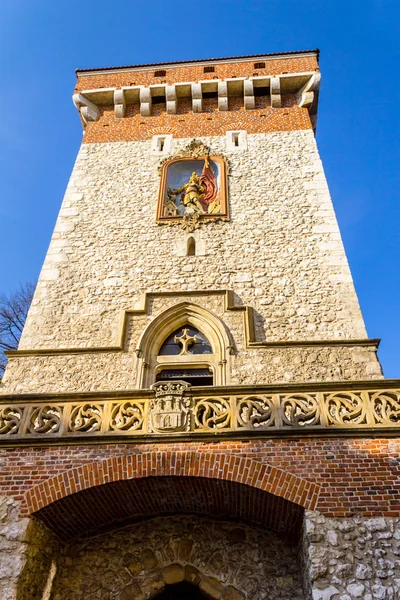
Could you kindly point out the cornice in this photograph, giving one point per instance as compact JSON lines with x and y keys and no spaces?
{"x":199,"y":62}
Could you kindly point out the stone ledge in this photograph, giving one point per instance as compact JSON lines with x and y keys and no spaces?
{"x":174,"y":410}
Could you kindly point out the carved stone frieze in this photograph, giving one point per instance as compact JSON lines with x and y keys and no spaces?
{"x":173,"y":407}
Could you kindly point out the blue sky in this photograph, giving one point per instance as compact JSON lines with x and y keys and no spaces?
{"x":42,"y":42}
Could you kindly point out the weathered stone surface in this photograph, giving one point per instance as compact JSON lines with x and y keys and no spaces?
{"x":149,"y":560}
{"x":185,"y":548}
{"x":132,"y":592}
{"x":211,"y":587}
{"x":231,"y":593}
{"x":335,"y":560}
{"x":259,"y":566}
{"x":282,"y":255}
{"x":26,"y":552}
{"x":173,"y":573}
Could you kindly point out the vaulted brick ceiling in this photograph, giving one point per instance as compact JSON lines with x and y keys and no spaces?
{"x":117,"y":504}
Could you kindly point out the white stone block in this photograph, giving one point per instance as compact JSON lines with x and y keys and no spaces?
{"x":49,"y":274}
{"x":275,"y":89}
{"x":161,"y":144}
{"x":119,"y":104}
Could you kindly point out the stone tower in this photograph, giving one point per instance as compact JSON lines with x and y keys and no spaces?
{"x":195,"y":407}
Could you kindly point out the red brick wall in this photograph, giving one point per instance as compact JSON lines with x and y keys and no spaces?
{"x":194,"y":73}
{"x":356,"y":476}
{"x":186,"y":124}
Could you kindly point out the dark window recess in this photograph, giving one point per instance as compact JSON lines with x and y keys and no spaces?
{"x":171,"y":347}
{"x":210,"y":94}
{"x":261,"y":91}
{"x":260,"y":65}
{"x":191,"y":247}
{"x":158,"y":99}
{"x":196,"y":377}
{"x":209,"y":70}
{"x":160,"y":73}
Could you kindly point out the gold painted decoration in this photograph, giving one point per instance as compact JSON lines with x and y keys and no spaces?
{"x":193,"y":187}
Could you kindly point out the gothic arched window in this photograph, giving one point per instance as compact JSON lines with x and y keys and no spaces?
{"x":185,"y":341}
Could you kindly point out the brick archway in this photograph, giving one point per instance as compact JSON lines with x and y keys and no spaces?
{"x":169,"y":482}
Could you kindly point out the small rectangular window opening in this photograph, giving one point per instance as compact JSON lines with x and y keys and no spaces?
{"x":235,"y":139}
{"x":262,"y":91}
{"x":210,"y":94}
{"x":158,"y":99}
{"x":259,"y":65}
{"x":160,"y":73}
{"x":209,"y":70}
{"x":161,"y":144}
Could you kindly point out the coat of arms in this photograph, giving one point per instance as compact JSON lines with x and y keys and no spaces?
{"x":169,"y":411}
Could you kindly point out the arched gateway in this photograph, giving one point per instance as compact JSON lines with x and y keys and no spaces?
{"x":195,"y":410}
{"x":220,"y":526}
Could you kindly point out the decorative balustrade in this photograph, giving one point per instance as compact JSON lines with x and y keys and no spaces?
{"x":174,"y":408}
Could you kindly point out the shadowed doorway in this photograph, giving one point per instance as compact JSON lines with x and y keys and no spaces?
{"x":181,"y":591}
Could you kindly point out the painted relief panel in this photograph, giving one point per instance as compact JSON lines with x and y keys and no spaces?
{"x":193,"y":186}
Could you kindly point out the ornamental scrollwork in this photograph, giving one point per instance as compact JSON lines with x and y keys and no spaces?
{"x":45,"y":419}
{"x":386,"y":408}
{"x":346,"y":409}
{"x":213,"y":413}
{"x":10,"y":419}
{"x":173,"y":409}
{"x":127,"y":416}
{"x":196,"y":149}
{"x":256,"y":412}
{"x":300,"y":410}
{"x":190,"y":222}
{"x":86,"y":418}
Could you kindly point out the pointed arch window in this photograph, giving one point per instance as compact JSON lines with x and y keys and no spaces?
{"x":167,"y":348}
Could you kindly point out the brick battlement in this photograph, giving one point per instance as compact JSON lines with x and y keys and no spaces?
{"x":258,"y":95}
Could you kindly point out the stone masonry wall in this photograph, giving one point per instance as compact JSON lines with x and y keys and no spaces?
{"x":26,"y":551}
{"x":281,"y":252}
{"x":104,"y":371}
{"x":228,"y":561}
{"x":354,"y":558}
